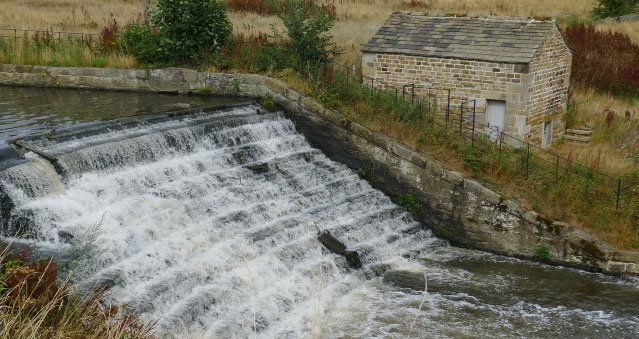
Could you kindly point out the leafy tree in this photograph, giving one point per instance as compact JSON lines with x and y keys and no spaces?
{"x":612,"y":8}
{"x":191,"y":28}
{"x":307,"y":25}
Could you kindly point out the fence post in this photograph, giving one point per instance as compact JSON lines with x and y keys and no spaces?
{"x":461,"y":117}
{"x":448,"y":109}
{"x":587,"y":182}
{"x":474,"y":112}
{"x":527,"y":159}
{"x":412,"y":99}
{"x":430,"y":106}
{"x":396,"y":92}
{"x":501,"y":140}
{"x":372,"y":87}
{"x":618,"y":192}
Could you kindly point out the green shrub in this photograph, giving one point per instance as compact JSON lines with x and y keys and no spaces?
{"x":308,"y":23}
{"x":471,"y":158}
{"x":268,"y":103}
{"x":145,"y":43}
{"x":543,"y":252}
{"x":100,"y":62}
{"x":612,"y":8}
{"x":191,"y":29}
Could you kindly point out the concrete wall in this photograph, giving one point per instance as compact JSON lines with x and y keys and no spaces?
{"x":455,"y":208}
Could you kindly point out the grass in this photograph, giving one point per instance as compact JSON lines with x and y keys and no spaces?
{"x":50,"y":51}
{"x":571,"y":194}
{"x":35,"y":303}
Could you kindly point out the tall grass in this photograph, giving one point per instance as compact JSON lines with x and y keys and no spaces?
{"x":46,"y":48}
{"x":35,"y":303}
{"x":605,"y":60}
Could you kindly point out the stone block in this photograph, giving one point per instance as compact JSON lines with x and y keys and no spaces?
{"x":276,"y":86}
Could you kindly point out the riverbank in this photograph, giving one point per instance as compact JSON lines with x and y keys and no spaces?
{"x":453,"y":206}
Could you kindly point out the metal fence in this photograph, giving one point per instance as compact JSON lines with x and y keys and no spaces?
{"x":459,"y":117}
{"x":37,"y":34}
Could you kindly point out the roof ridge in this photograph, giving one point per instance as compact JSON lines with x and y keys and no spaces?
{"x":476,"y":17}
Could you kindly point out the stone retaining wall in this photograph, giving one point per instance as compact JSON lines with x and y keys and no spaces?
{"x":455,"y":208}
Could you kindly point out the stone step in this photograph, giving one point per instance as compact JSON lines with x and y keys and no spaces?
{"x":577,"y":138}
{"x":579,"y":131}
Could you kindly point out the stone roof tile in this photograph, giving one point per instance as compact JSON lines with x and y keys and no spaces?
{"x":488,"y":39}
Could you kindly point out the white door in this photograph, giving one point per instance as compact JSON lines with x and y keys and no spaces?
{"x":495,"y":118}
{"x":548,"y":133}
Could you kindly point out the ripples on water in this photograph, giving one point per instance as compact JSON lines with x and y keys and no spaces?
{"x":191,"y":238}
{"x":28,"y":111}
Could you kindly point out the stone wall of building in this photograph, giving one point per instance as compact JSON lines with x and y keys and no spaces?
{"x":549,"y":83}
{"x":454,"y":207}
{"x":467,"y":80}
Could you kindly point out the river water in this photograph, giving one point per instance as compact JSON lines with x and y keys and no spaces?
{"x":182,"y":228}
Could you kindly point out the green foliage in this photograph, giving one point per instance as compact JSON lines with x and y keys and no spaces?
{"x":181,"y":31}
{"x":236,"y":87}
{"x":613,"y":8}
{"x":268,"y":103}
{"x":410,"y":202}
{"x":205,"y":90}
{"x":471,"y":157}
{"x":362,"y":173}
{"x":145,"y":43}
{"x":308,"y":23}
{"x":543,"y":252}
{"x":191,"y":29}
{"x":100,"y":62}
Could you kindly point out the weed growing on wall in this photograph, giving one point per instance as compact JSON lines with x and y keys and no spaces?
{"x":410,"y":202}
{"x":543,"y":252}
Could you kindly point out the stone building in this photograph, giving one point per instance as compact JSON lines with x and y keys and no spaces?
{"x":516,"y":70}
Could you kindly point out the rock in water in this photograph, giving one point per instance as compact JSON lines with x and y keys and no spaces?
{"x":405,"y":279}
{"x":258,"y":168}
{"x":352,"y":257}
{"x":330,"y":242}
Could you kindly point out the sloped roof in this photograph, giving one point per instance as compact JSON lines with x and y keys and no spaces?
{"x":495,"y":39}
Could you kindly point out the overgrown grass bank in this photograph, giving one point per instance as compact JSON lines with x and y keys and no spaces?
{"x":36,"y":303}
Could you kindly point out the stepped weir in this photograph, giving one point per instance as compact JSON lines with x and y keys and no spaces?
{"x":207,"y":223}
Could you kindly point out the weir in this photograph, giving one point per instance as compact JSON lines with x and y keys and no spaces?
{"x":207,"y":223}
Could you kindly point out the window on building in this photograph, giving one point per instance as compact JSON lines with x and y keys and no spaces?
{"x":548,"y":133}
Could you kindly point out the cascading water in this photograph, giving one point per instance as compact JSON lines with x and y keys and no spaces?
{"x":185,"y":233}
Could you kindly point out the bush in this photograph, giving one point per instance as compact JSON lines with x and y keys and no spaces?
{"x":307,"y":25}
{"x":145,"y":43}
{"x":191,"y":29}
{"x":612,"y":8}
{"x":605,"y":60}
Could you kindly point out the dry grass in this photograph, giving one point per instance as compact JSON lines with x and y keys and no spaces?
{"x":34,"y":304}
{"x":613,"y":149}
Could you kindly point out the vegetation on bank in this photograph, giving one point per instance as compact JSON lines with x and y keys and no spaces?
{"x":36,"y":303}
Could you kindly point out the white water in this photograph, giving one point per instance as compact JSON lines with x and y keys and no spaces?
{"x":188,"y":237}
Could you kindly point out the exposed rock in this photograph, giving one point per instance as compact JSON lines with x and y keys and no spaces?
{"x":330,"y":242}
{"x":258,"y":168}
{"x":380,"y":269}
{"x":352,"y":258}
{"x":405,"y":279}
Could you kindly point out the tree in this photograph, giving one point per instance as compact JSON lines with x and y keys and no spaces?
{"x":191,"y":28}
{"x":307,"y":25}
{"x":613,"y":8}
